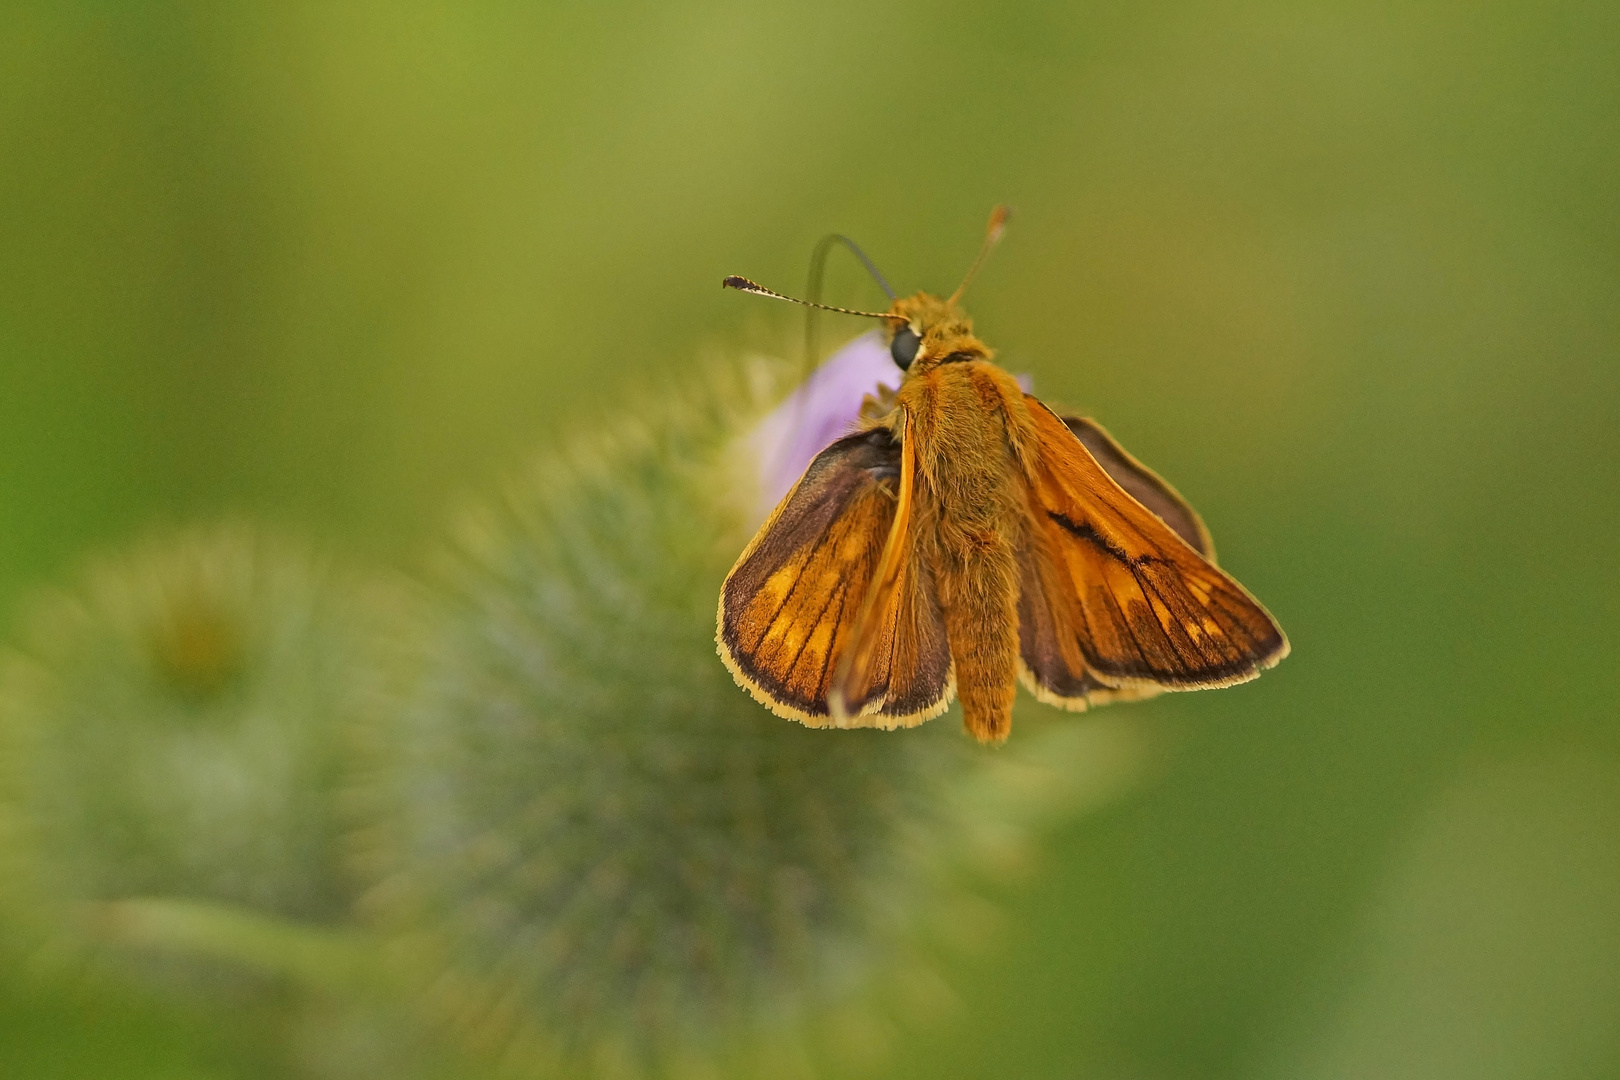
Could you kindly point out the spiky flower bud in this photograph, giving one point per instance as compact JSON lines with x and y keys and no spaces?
{"x":173,"y":728}
{"x":607,"y":858}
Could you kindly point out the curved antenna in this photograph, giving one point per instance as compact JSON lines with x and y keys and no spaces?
{"x":818,"y":263}
{"x":818,"y":269}
{"x":742,"y":284}
{"x":992,"y":233}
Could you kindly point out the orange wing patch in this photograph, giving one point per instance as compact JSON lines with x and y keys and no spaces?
{"x":1116,"y":604}
{"x":826,"y":597}
{"x":1143,"y":484}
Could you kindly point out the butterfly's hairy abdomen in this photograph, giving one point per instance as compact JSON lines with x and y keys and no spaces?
{"x":969,"y":421}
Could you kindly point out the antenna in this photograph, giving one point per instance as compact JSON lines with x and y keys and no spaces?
{"x":992,"y":233}
{"x":742,"y":284}
{"x":818,"y":268}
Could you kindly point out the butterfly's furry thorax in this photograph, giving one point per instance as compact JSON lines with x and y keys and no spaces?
{"x":967,"y":416}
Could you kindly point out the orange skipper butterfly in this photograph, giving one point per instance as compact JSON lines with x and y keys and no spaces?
{"x":968,"y":537}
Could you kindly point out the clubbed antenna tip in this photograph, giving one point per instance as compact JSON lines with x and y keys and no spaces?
{"x":742,"y":284}
{"x":992,"y":233}
{"x":998,"y":221}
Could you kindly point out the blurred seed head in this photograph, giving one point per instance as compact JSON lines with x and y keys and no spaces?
{"x":605,"y":857}
{"x":174,"y":728}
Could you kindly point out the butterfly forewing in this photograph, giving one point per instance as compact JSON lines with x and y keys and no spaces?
{"x":1116,"y":602}
{"x":899,"y":632}
{"x":791,"y":609}
{"x":1143,"y":484}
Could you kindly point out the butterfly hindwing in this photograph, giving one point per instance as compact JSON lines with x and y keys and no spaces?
{"x":1116,"y":602}
{"x":1051,"y":663}
{"x":796,"y":616}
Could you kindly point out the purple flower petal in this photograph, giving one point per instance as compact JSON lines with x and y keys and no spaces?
{"x":825,"y":407}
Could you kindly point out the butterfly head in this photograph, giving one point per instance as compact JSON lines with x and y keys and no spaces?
{"x":928,"y":331}
{"x":937,"y":331}
{"x":924,"y":330}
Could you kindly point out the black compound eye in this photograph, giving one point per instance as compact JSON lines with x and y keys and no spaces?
{"x":904,"y":347}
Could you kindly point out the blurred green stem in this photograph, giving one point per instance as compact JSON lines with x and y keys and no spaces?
{"x":335,"y":961}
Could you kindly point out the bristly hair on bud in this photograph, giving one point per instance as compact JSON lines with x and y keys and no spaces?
{"x":173,"y":727}
{"x":599,"y":856}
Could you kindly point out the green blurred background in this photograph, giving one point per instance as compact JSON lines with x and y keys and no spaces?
{"x":1347,"y":273}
